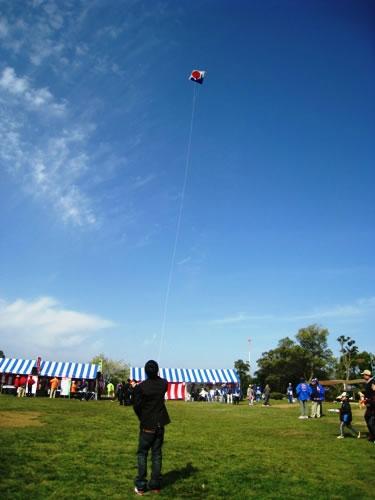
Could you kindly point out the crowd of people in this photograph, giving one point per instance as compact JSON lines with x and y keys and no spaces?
{"x":31,"y":386}
{"x":224,"y":393}
{"x":255,"y":394}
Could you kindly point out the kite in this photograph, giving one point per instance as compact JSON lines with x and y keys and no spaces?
{"x":197,"y":76}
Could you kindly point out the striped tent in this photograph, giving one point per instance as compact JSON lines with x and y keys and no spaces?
{"x":66,"y":369}
{"x":193,"y":375}
{"x":16,"y":366}
{"x":49,"y":368}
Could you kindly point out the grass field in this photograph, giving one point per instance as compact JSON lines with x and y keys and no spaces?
{"x":72,"y":449}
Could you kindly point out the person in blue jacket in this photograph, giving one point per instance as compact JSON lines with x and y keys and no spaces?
{"x":303,"y":391}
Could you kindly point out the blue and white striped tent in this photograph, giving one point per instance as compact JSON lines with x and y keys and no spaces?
{"x":70,"y":370}
{"x":16,"y":366}
{"x":193,"y":375}
{"x":49,"y":368}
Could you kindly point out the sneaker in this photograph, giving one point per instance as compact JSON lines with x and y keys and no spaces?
{"x":340,"y":437}
{"x":139,"y":492}
{"x":301,"y":416}
{"x":359,"y":435}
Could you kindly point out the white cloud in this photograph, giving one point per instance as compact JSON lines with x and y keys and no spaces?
{"x":44,"y":324}
{"x":35,"y":98}
{"x":10,"y":82}
{"x":51,"y":172}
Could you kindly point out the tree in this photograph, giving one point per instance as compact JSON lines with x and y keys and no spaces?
{"x":291,"y":360}
{"x":2,"y":355}
{"x":352,"y":361}
{"x":319,"y":358}
{"x":349,"y":353}
{"x":243,"y":370}
{"x":282,"y":365}
{"x":112,"y":370}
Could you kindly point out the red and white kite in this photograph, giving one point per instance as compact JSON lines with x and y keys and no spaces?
{"x":197,"y":76}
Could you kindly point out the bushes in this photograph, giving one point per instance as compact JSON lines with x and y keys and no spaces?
{"x":277,"y":395}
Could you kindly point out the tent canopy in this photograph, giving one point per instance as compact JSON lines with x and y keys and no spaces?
{"x":49,"y":368}
{"x":16,"y":366}
{"x":193,"y":375}
{"x":68,"y":369}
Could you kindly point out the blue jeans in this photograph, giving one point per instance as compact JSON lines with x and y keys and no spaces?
{"x":150,"y":440}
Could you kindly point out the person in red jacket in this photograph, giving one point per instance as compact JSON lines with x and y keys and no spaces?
{"x":17,"y":384}
{"x":29,"y":384}
{"x":22,"y":387}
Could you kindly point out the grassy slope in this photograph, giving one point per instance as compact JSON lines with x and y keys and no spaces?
{"x":87,"y":450}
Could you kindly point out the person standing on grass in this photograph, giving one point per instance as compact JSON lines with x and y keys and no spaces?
{"x":73,"y":389}
{"x":303,"y":395}
{"x":110,"y":390}
{"x":267,"y":395}
{"x":30,"y":383}
{"x":322,"y":393}
{"x":258,"y":393}
{"x":17,"y":385}
{"x":346,"y":418}
{"x":149,"y":406}
{"x":315,"y":398}
{"x":289,"y":393}
{"x":54,"y":384}
{"x":250,"y":395}
{"x":369,"y":398}
{"x":22,"y":386}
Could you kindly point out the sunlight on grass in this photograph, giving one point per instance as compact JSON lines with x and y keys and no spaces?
{"x":87,"y":450}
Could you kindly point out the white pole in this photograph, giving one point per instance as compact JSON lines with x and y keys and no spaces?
{"x":249,"y":341}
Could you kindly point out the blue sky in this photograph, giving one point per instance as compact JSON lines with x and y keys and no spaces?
{"x":277,"y":221}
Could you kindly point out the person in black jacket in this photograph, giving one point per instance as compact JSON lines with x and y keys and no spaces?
{"x":346,"y":417}
{"x":370,"y":404}
{"x":149,"y":406}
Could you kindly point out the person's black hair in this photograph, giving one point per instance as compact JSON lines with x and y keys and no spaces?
{"x":151,"y":369}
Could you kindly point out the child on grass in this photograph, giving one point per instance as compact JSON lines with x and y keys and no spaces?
{"x":346,"y":417}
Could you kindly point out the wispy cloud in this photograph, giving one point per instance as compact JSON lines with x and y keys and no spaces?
{"x":35,"y":98}
{"x":141,"y":181}
{"x":360,"y":307}
{"x":45,"y":324}
{"x":238,"y":318}
{"x":50,"y":171}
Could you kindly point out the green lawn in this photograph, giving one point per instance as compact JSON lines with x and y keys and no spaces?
{"x":72,"y":449}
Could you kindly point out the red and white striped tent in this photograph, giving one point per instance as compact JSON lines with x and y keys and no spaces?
{"x":178,"y":378}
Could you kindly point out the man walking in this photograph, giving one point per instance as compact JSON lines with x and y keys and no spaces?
{"x":149,"y":406}
{"x":370,"y":403}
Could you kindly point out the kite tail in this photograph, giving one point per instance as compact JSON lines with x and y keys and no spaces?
{"x":178,"y":226}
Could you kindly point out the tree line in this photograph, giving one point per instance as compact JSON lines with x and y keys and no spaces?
{"x":307,"y":356}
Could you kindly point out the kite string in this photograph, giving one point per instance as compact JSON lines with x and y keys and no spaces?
{"x":178,"y":226}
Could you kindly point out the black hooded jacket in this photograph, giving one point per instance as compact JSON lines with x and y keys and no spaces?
{"x":149,"y":403}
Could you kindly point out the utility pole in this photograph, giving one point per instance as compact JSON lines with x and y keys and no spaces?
{"x":249,"y":341}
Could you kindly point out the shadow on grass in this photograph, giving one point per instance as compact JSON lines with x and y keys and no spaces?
{"x":173,"y":476}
